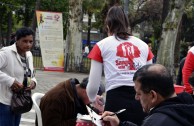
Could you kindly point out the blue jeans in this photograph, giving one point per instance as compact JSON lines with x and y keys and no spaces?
{"x":7,"y":117}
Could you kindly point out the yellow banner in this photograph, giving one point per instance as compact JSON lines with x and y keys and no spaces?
{"x":50,"y":26}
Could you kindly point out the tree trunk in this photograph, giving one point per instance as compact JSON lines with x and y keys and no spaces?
{"x":113,"y":2}
{"x":73,"y":50}
{"x":9,"y":28}
{"x":1,"y":36}
{"x":34,"y":21}
{"x":27,"y":17}
{"x":89,"y":29}
{"x":126,"y":7}
{"x":2,"y":10}
{"x":169,"y":36}
{"x":165,"y":9}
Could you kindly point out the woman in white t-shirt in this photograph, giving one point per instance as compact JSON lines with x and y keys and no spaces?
{"x":121,"y":55}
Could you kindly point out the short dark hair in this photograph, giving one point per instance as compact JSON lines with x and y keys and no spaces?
{"x":12,"y":36}
{"x":74,"y":81}
{"x":118,"y":22}
{"x":191,"y":44}
{"x":158,"y":80}
{"x":84,"y":84}
{"x":23,"y":32}
{"x":147,"y":40}
{"x":191,"y":79}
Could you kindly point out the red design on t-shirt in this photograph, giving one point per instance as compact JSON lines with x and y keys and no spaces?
{"x":130,"y":51}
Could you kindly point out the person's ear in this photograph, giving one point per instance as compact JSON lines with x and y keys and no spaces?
{"x":154,"y":96}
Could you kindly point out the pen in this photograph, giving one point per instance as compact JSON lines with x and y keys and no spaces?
{"x":116,"y":113}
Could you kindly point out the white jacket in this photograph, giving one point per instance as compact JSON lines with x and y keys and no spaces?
{"x":11,"y":68}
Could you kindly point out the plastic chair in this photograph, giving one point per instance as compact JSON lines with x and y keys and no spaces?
{"x":36,"y":98}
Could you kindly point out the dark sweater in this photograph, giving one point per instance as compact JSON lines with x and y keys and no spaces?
{"x":177,"y":111}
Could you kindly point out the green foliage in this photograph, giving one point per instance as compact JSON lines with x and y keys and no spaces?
{"x":132,"y":10}
{"x":156,"y":24}
{"x":188,"y":21}
{"x":183,"y":49}
{"x":24,"y":11}
{"x":94,"y":7}
{"x":21,"y":11}
{"x":6,"y":8}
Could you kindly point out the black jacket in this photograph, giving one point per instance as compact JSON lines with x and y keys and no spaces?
{"x":179,"y":76}
{"x":177,"y":111}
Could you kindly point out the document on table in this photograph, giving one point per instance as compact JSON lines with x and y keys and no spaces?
{"x":94,"y":116}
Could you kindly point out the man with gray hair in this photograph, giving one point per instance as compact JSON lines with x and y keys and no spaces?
{"x":155,"y":91}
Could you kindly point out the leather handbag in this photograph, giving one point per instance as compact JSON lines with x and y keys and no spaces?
{"x":21,"y":101}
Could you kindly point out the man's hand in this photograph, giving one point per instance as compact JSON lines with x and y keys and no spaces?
{"x":114,"y":120}
{"x":16,"y":86}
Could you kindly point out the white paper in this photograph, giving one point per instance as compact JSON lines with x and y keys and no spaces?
{"x":85,"y":117}
{"x":94,"y":117}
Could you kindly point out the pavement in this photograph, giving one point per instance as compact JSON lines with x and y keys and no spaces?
{"x":46,"y":80}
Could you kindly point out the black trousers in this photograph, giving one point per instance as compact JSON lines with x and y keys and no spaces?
{"x":124,"y":98}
